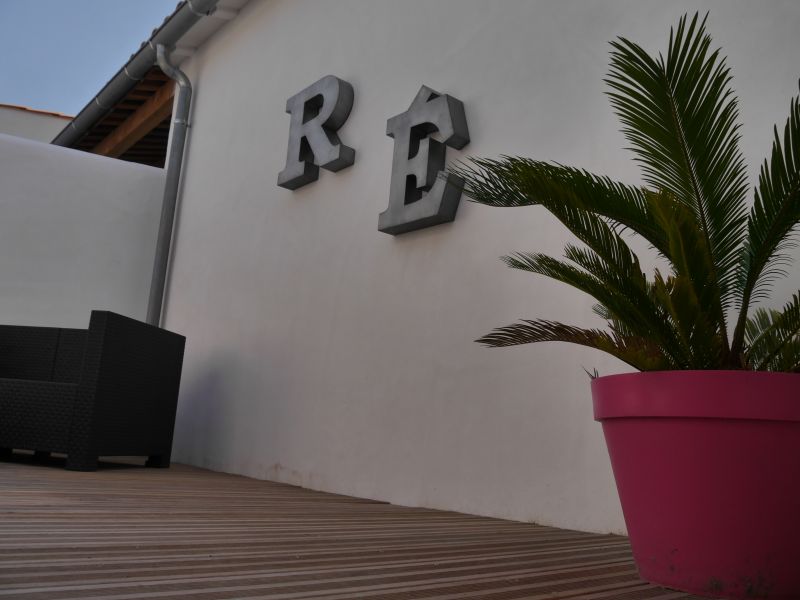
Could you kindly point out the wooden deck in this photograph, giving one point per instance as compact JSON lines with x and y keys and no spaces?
{"x":128,"y":532}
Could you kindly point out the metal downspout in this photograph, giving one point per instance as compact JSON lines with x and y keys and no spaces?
{"x":180,"y":125}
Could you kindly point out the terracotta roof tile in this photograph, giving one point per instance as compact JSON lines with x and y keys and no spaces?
{"x":36,"y":110}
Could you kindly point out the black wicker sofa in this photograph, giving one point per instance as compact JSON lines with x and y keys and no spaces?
{"x":111,"y":390}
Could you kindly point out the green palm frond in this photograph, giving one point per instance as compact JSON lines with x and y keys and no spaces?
{"x":680,"y":118}
{"x":773,"y":338}
{"x":690,"y":293}
{"x":640,"y":353}
{"x":619,"y":295}
{"x":774,"y":217}
{"x":698,"y":332}
{"x":615,"y":324}
{"x":515,"y":181}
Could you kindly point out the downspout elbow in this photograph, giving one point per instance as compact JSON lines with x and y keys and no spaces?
{"x":169,"y":69}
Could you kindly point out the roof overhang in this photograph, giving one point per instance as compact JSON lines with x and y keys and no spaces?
{"x":140,"y":80}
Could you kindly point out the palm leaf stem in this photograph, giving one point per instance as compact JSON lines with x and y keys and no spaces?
{"x":701,"y":210}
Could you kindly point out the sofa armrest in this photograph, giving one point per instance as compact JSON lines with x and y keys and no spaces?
{"x":128,"y":390}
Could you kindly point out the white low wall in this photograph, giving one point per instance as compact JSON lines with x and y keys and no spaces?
{"x":326,"y":354}
{"x":77,"y":232}
{"x":30,"y":124}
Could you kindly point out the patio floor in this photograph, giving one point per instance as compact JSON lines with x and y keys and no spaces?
{"x":128,"y":532}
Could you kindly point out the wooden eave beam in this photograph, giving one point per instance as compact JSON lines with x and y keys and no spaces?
{"x":141,"y":122}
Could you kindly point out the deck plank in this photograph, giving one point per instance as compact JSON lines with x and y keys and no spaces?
{"x":127,"y":532}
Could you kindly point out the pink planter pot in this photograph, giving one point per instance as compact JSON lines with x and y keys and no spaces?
{"x":707,"y":464}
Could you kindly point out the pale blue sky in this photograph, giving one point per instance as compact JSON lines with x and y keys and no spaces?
{"x":57,"y":54}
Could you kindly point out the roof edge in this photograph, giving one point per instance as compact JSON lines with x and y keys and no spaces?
{"x":183,"y":18}
{"x":37,"y":111}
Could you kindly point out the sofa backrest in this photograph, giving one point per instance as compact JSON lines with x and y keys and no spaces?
{"x":27,"y":352}
{"x":41,"y":353}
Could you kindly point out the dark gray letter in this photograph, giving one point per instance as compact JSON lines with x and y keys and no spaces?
{"x":317,"y":112}
{"x":420,"y":194}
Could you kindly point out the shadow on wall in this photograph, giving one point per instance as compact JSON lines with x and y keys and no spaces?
{"x":222,"y":425}
{"x":201,"y":420}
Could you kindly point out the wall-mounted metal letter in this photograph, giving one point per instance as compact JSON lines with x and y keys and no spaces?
{"x":317,"y":112}
{"x":422,"y":195}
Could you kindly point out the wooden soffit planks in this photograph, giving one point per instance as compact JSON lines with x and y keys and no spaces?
{"x":141,"y":122}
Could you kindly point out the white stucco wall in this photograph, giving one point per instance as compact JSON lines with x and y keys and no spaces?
{"x":326,"y":354}
{"x":32,"y":125}
{"x":77,"y":232}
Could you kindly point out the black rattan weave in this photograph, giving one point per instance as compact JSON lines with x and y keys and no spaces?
{"x":111,"y":390}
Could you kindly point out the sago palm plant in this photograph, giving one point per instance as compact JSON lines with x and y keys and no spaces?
{"x":681,"y":120}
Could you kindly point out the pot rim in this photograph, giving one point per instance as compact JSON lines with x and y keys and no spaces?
{"x":712,"y":394}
